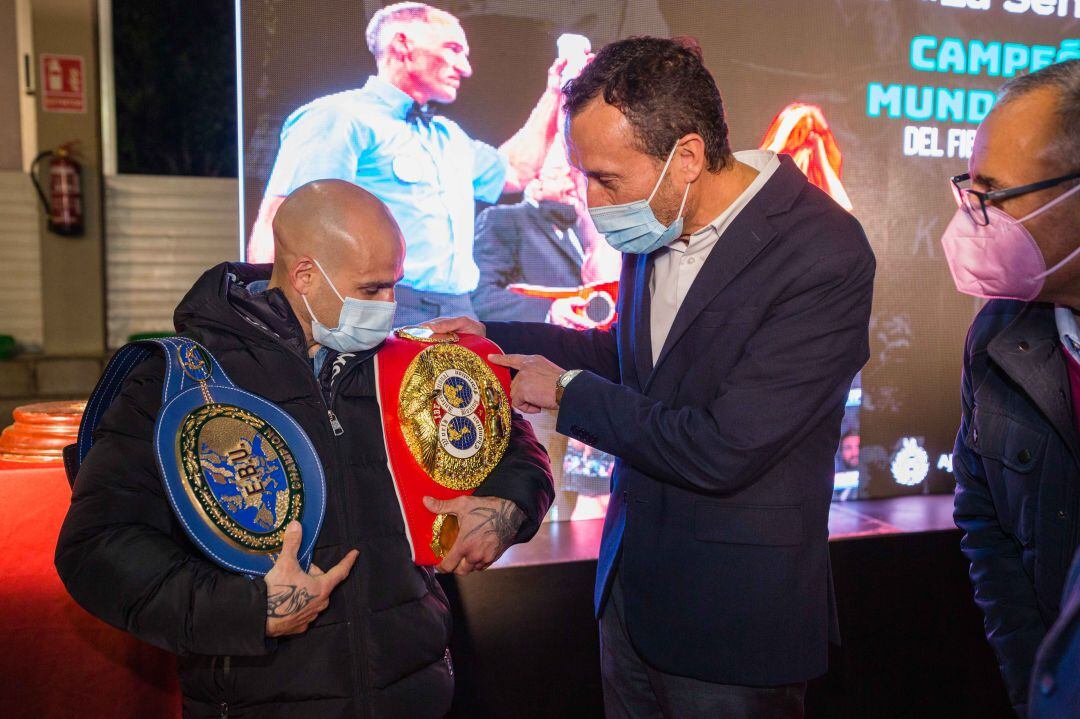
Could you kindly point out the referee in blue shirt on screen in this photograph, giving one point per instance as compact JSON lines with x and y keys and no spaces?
{"x":385,"y":138}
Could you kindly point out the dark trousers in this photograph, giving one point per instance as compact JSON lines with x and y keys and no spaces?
{"x":634,"y":690}
{"x":414,"y":306}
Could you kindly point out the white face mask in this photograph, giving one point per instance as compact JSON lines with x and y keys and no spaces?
{"x":362,"y":324}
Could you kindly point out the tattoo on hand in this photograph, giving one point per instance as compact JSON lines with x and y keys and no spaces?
{"x":502,"y":521}
{"x":286,"y":600}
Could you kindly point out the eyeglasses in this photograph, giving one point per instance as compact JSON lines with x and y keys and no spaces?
{"x":974,"y":202}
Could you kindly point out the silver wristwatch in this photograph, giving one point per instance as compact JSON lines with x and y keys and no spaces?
{"x":560,"y":384}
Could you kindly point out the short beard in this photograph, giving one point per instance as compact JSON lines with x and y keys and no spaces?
{"x":666,"y":203}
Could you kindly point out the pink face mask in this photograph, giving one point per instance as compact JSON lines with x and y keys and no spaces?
{"x":1000,"y":260}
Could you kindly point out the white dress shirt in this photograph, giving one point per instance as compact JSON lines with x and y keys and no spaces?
{"x":677,"y":265}
{"x":1068,"y":330}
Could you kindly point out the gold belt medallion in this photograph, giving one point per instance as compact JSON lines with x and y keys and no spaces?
{"x":455,"y":415}
{"x":240,"y":474}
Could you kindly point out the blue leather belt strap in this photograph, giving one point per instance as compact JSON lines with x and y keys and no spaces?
{"x":126,"y":359}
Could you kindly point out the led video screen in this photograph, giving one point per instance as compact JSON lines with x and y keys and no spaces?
{"x":877,"y":101}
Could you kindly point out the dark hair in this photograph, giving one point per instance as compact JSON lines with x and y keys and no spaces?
{"x":662,"y":88}
{"x":1065,"y":78}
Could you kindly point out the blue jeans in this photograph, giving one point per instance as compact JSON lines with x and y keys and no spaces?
{"x":634,"y":690}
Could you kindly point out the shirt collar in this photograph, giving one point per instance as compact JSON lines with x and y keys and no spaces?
{"x":1068,"y":331}
{"x":766,"y":163}
{"x":396,"y":99}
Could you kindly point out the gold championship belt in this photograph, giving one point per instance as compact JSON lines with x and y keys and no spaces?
{"x":446,"y":423}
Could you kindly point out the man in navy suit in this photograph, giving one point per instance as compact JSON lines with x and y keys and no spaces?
{"x":541,"y":240}
{"x":743,"y":317}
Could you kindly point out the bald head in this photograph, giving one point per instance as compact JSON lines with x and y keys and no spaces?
{"x":331,"y":219}
{"x":346,"y":231}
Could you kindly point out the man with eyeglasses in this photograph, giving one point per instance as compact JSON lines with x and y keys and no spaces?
{"x":1015,"y":240}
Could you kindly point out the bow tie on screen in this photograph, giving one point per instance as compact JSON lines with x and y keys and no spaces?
{"x":419,"y":114}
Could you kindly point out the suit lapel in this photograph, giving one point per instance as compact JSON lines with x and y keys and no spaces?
{"x":740,"y":243}
{"x":564,"y":244}
{"x":1029,"y":351}
{"x":641,"y":339}
{"x":748,"y":234}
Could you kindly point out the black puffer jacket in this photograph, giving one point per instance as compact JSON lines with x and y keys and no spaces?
{"x":380,"y":648}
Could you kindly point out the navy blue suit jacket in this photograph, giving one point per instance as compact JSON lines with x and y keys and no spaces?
{"x":718,"y":522}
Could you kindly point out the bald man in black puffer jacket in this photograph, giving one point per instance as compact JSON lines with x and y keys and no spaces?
{"x":379,"y":647}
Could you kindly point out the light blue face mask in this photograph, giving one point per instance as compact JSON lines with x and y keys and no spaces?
{"x":362,"y":324}
{"x":633,"y":227}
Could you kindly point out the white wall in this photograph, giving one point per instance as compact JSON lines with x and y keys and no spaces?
{"x":20,"y":256}
{"x":161,"y":233}
{"x":10,"y":89}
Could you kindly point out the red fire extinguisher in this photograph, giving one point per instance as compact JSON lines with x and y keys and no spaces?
{"x":64,"y":202}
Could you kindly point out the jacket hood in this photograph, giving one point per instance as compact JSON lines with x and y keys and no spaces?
{"x":221,"y":300}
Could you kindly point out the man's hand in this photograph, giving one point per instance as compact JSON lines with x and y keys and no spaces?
{"x":486,"y":528}
{"x":554,"y":75}
{"x":445,"y":325}
{"x":533,"y":388}
{"x":295,"y":597}
{"x":564,"y":313}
